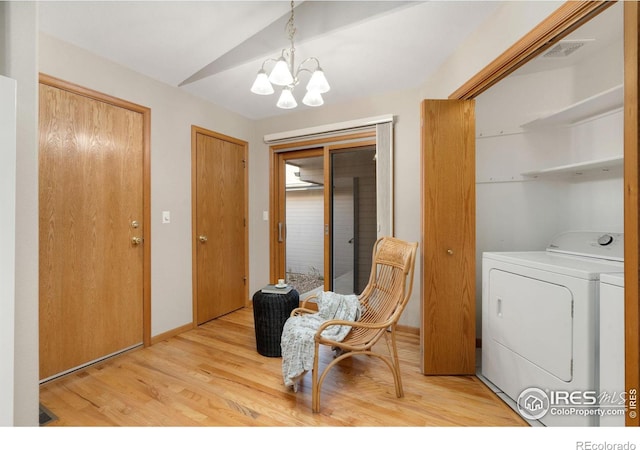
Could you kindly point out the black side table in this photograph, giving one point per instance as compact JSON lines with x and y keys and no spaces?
{"x":270,"y":312}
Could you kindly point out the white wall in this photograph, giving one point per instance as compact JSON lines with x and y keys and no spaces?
{"x":305,"y":231}
{"x":19,"y":44}
{"x":7,"y":246}
{"x":172,"y":114}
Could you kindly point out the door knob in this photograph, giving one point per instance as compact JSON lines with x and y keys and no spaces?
{"x":450,"y":252}
{"x":202,"y":238}
{"x":136,"y":240}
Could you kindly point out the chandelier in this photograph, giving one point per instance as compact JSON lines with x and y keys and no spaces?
{"x":283,"y":75}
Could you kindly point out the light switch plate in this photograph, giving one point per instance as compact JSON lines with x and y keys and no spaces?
{"x":166,"y":216}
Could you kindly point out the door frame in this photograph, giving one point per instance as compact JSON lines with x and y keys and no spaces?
{"x":276,"y":206}
{"x":567,"y":18}
{"x":195,"y":130}
{"x":146,"y":183}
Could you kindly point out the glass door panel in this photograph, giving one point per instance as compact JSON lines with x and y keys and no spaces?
{"x":304,"y":224}
{"x":353,"y":218}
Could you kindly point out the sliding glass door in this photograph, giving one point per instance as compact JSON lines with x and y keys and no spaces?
{"x":353,"y":217}
{"x":324,"y":217}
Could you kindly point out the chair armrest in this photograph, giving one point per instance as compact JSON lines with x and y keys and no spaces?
{"x":300,"y":311}
{"x":304,"y":302}
{"x":352,"y":324}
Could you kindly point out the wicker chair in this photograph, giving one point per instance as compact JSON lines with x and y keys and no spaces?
{"x":383,"y":300}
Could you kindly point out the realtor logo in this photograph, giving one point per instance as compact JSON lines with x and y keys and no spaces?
{"x":533,"y":403}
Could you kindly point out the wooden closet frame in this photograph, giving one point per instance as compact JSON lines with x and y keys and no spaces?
{"x":567,"y":18}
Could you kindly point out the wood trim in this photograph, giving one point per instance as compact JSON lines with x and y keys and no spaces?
{"x":321,"y":141}
{"x":328,"y":219}
{"x":276,"y":210}
{"x":194,"y":221}
{"x":195,"y":130}
{"x":568,"y":17}
{"x":146,"y":187}
{"x":277,"y":206}
{"x":631,"y":207}
{"x":171,"y":333}
{"x":347,"y":146}
{"x":408,"y":330}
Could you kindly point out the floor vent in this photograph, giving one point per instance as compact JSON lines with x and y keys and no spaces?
{"x":46,"y":416}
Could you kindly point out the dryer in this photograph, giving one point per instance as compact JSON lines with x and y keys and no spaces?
{"x":540,"y":325}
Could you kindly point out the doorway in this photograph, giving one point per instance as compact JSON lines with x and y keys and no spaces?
{"x":94,"y":227}
{"x":325,"y":217}
{"x":219,"y":204}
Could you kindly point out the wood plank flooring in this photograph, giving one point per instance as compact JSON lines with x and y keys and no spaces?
{"x":213,"y":376}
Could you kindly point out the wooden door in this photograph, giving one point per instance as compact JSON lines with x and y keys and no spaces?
{"x":448,"y":230}
{"x":220,"y":231}
{"x":91,"y":164}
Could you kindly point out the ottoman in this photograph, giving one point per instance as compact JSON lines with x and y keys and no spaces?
{"x":270,"y":312}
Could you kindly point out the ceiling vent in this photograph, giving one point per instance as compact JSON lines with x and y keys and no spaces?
{"x":564,"y":48}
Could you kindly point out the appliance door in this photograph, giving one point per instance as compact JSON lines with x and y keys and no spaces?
{"x":533,"y":319}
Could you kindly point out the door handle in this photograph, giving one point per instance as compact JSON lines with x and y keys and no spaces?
{"x":136,"y":240}
{"x":202,"y":238}
{"x":280,"y":235}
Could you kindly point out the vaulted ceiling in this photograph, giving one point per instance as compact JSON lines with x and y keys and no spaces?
{"x":213,"y":49}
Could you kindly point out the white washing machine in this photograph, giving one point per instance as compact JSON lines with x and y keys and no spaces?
{"x":611,"y":363}
{"x":540,"y":328}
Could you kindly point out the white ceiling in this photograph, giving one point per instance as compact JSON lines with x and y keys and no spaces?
{"x":172,"y":41}
{"x":597,"y":34}
{"x":365,"y":47}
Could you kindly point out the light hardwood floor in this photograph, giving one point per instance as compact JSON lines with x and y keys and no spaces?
{"x":213,"y":376}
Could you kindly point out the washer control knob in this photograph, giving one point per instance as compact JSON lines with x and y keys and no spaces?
{"x":605,"y":239}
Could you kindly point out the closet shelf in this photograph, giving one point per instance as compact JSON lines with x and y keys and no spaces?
{"x":604,"y":102}
{"x":611,"y":166}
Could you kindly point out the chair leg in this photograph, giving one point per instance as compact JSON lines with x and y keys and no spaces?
{"x":395,"y":362}
{"x":315,"y":389}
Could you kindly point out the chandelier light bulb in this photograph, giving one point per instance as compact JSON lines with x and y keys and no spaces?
{"x":313,"y":98}
{"x":286,"y":100}
{"x":318,"y":82}
{"x":262,"y":86}
{"x":281,"y":75}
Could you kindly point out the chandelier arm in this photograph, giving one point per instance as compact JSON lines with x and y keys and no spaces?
{"x":304,"y":69}
{"x":266,"y":61}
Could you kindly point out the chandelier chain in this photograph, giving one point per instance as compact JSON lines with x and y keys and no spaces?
{"x":291,"y":29}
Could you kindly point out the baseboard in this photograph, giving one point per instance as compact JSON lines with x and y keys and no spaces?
{"x":171,"y":333}
{"x":407,"y":329}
